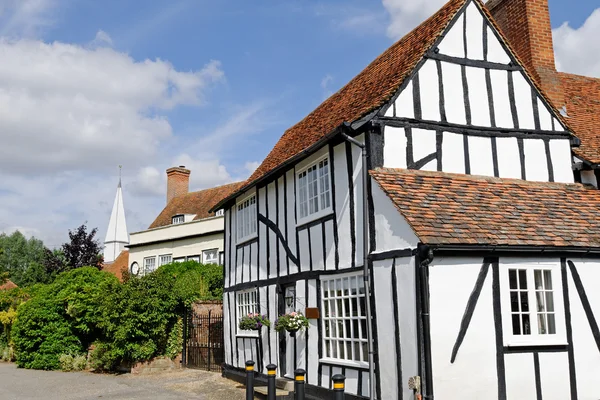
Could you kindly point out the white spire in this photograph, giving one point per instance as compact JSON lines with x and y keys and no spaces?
{"x":116,"y":234}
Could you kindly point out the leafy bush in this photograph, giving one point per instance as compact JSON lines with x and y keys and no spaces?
{"x":60,"y":318}
{"x":195,"y":281}
{"x":69,"y":362}
{"x":175,"y":341}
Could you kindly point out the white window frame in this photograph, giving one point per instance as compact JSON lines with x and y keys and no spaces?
{"x":162,"y":257}
{"x":220,"y":213}
{"x":246,"y":301}
{"x":535,"y":338}
{"x":146,"y":269}
{"x":177,"y":219}
{"x":360,"y":338}
{"x":197,"y":258}
{"x":324,"y":209}
{"x":247,"y":214}
{"x":179,"y":259}
{"x":215,"y":260}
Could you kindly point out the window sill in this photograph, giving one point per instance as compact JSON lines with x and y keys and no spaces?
{"x":536,"y":342}
{"x":344,"y":363}
{"x":247,"y":335}
{"x":314,"y":217}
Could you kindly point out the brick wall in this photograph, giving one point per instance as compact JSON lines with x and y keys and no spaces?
{"x":526,"y":25}
{"x":178,"y":182}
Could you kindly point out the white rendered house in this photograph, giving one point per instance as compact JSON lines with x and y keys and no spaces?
{"x":184,"y":230}
{"x":467,"y":256}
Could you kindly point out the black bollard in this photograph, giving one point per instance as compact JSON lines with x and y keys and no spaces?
{"x":338,"y":387}
{"x":272,"y":389}
{"x":249,"y":380}
{"x":299,"y":384}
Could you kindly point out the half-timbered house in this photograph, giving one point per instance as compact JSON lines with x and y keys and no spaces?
{"x":466,"y":256}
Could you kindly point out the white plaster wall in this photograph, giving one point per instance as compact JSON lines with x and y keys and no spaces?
{"x":560,"y":151}
{"x":262,"y":234}
{"x":405,"y":275}
{"x":392,"y":232}
{"x":291,"y":217}
{"x":282,"y":265}
{"x":473,"y":374}
{"x":394,"y":149}
{"x":453,"y":93}
{"x":453,"y":153}
{"x":587,"y":354}
{"x":316,"y":240}
{"x":178,"y":248}
{"x":273,"y":241}
{"x":554,"y":376}
{"x":501,"y":98}
{"x":329,"y":246}
{"x":480,"y":156}
{"x":342,"y":205}
{"x":358,"y":199}
{"x":385,"y":328}
{"x":520,"y":376}
{"x":430,"y":91}
{"x":313,"y":336}
{"x":509,"y":162}
{"x":423,"y":143}
{"x":474,"y":32}
{"x":478,"y":96}
{"x":453,"y":43}
{"x":588,"y":177}
{"x":536,"y":163}
{"x":171,"y":232}
{"x":404,"y":104}
{"x":496,"y":52}
{"x":304,"y":254}
{"x":545,"y":117}
{"x":523,"y":98}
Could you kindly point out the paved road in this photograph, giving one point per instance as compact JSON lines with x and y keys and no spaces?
{"x":20,"y":384}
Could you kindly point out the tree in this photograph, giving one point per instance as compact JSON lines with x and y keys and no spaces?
{"x":22,"y":259}
{"x":83,"y":249}
{"x":55,"y":261}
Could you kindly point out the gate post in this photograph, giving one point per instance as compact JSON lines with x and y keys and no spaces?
{"x":185,"y":338}
{"x":299,"y":384}
{"x":249,"y":380}
{"x":209,"y":340}
{"x":271,"y":389}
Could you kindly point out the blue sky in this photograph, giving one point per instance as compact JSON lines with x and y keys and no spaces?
{"x":211,"y":85}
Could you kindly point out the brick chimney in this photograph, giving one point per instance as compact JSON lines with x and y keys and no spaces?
{"x":526,"y":25}
{"x":178,"y":182}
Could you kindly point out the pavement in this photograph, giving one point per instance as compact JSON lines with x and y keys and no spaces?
{"x":22,"y":384}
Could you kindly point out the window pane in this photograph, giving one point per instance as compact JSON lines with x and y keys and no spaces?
{"x":512,"y":278}
{"x":548,"y":280}
{"x":542,"y":324}
{"x":537,"y":274}
{"x":522,"y":279}
{"x":516,"y":324}
{"x":526,"y":324}
{"x":514,"y":301}
{"x":524,"y":302}
{"x":551,"y":324}
{"x":541,"y":303}
{"x":549,"y":301}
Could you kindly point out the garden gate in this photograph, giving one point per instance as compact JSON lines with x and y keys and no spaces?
{"x":203,"y":341}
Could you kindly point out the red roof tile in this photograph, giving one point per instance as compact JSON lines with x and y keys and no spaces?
{"x":457,"y":209}
{"x":119,"y":266}
{"x":8,"y":285}
{"x":198,"y":203}
{"x":582,"y":95}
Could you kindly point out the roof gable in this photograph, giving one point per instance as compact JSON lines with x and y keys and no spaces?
{"x":198,"y":203}
{"x":452,"y":209}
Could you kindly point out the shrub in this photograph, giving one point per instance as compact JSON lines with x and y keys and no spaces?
{"x":195,"y":281}
{"x":69,"y":362}
{"x":175,"y":341}
{"x":61,"y":318}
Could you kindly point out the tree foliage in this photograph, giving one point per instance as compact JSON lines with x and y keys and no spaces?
{"x":22,"y":259}
{"x":83,"y":249}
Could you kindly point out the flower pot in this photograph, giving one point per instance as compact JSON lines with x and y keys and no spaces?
{"x":293,"y":332}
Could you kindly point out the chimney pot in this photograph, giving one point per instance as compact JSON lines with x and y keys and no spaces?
{"x":178,"y":182}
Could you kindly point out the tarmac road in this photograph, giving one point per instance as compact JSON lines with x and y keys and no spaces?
{"x":21,"y":384}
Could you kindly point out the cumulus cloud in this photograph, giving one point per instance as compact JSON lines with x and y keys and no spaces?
{"x":577,"y":49}
{"x":407,"y":14}
{"x":25,"y":18}
{"x":64,"y":106}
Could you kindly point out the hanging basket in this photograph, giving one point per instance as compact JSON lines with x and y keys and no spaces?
{"x":292,"y":332}
{"x":292,"y":323}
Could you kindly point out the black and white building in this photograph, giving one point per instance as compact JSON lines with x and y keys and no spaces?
{"x":478,"y":296}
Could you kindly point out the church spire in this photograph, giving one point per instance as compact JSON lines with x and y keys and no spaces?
{"x":116,"y":234}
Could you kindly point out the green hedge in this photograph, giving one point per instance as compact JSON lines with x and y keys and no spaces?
{"x":127,"y":322}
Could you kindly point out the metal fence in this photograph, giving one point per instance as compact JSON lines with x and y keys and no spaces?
{"x":203,"y":341}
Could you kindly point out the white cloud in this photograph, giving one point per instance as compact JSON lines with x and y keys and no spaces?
{"x":63,"y":106}
{"x":577,"y":50}
{"x":407,"y":14}
{"x":102,"y":39}
{"x":25,"y":18}
{"x":205,"y":172}
{"x":251,"y":166}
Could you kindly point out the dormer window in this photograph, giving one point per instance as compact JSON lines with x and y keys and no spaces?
{"x":177,"y":219}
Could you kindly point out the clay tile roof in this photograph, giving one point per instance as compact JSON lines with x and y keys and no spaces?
{"x":8,"y":285}
{"x":456,"y":209}
{"x":199,"y":203}
{"x":582,"y":95}
{"x":118,"y":266}
{"x":370,"y":89}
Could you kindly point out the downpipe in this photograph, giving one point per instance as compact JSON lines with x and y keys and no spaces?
{"x":366,"y":275}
